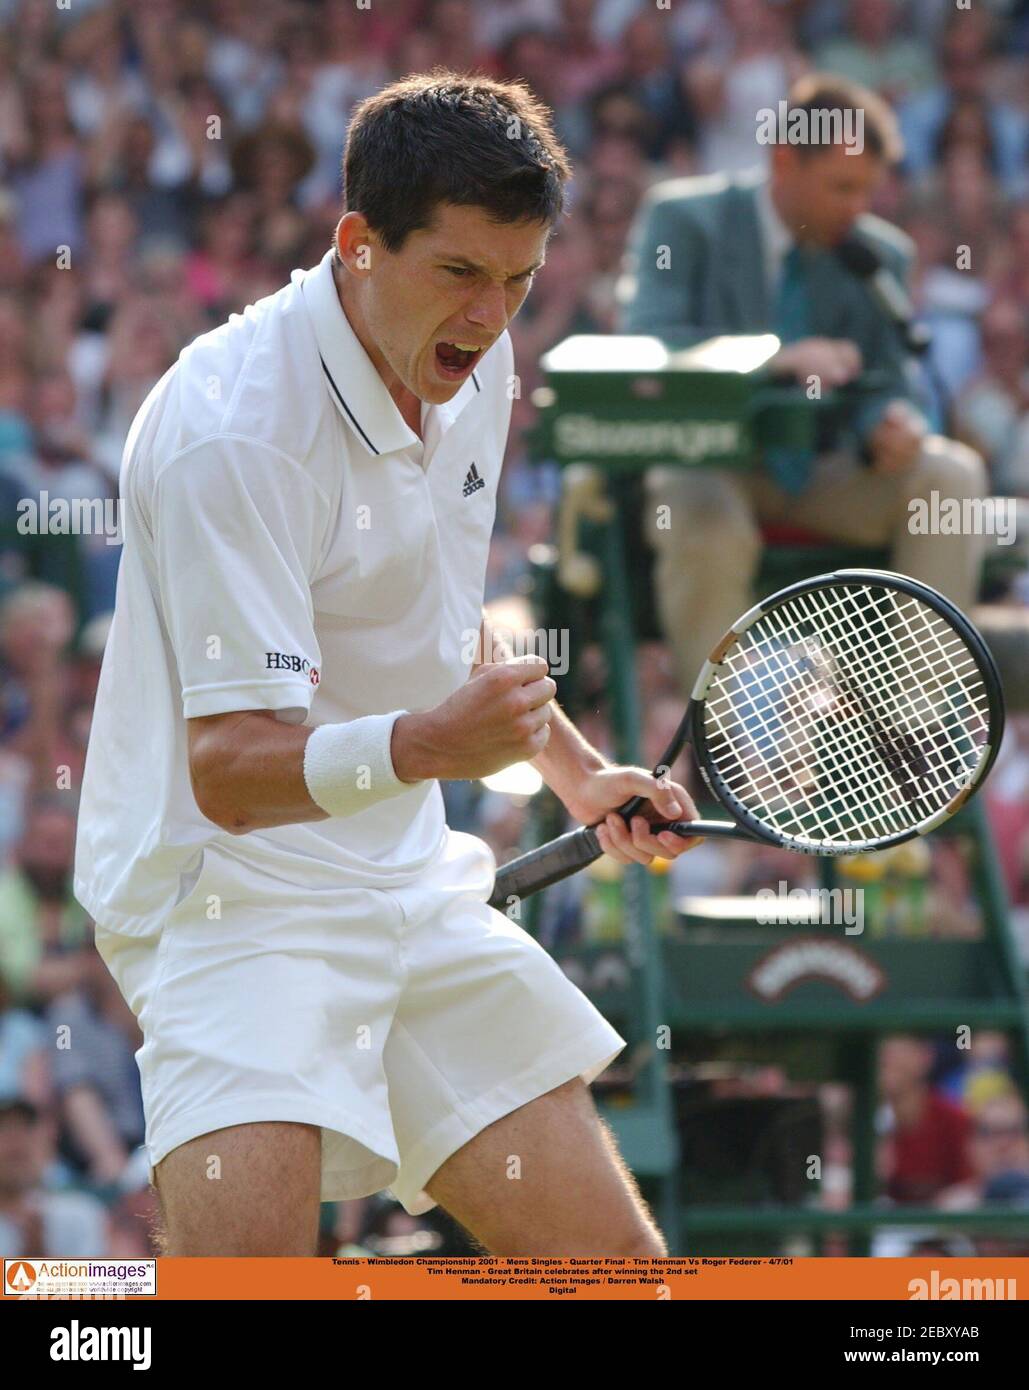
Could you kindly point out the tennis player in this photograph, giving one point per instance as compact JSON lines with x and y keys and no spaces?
{"x":328,"y":1005}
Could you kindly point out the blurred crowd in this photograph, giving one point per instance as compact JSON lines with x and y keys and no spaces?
{"x":161,"y":166}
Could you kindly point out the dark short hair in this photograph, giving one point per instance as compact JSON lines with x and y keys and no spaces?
{"x":820,"y":91}
{"x":448,"y":137}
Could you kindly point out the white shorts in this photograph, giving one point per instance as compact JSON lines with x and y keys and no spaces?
{"x":402,"y":1021}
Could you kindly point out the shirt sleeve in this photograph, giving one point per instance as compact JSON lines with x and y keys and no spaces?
{"x":237,"y":531}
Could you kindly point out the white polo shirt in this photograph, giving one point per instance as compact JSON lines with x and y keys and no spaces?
{"x":289,"y":545}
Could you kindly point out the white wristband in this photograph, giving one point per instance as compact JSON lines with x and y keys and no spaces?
{"x":348,"y":767}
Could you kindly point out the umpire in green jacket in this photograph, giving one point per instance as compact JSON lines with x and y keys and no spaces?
{"x":755,"y":254}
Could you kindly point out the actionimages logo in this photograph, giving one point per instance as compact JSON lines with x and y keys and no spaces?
{"x":286,"y":661}
{"x":86,"y":1279}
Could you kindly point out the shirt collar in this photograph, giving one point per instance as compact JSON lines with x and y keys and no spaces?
{"x":357,"y":389}
{"x":775,"y":235}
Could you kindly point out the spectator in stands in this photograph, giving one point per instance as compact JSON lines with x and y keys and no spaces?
{"x":94,"y":1073}
{"x":339,"y":69}
{"x":531,"y":55}
{"x":36,"y":624}
{"x":14,"y":344}
{"x":967,"y":47}
{"x":452,"y":24}
{"x":928,"y":1146}
{"x":120,"y":160}
{"x":992,"y":413}
{"x":44,"y":945}
{"x":756,"y":255}
{"x":271,"y":161}
{"x":23,"y":1052}
{"x":81,"y":556}
{"x":734,"y":81}
{"x":496,"y":22}
{"x":140,"y":349}
{"x":1013,"y":282}
{"x":1008,"y":801}
{"x":101,"y":84}
{"x":47,"y":170}
{"x":875,"y":53}
{"x":651,"y":79}
{"x":999,"y":1154}
{"x":223,"y":263}
{"x":586,"y":62}
{"x":983,"y":1071}
{"x":114,"y":232}
{"x":242,"y":59}
{"x":15,"y":777}
{"x":33,"y":1220}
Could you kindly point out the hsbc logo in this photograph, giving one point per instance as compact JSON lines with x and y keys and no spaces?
{"x":284,"y":661}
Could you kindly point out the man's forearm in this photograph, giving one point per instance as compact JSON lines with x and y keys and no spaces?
{"x":567,"y":758}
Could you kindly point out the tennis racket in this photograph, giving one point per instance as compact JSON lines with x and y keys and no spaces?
{"x":845,"y":713}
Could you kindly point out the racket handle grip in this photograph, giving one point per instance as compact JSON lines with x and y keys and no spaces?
{"x":544,"y":866}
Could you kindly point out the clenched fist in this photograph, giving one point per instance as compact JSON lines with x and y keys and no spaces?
{"x":500,"y":716}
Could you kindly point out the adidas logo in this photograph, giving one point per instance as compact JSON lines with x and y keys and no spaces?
{"x":473,"y":482}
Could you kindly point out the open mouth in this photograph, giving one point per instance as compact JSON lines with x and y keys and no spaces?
{"x":456,"y":360}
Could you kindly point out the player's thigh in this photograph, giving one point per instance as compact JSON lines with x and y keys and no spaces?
{"x":249,"y":1189}
{"x":547,"y":1178}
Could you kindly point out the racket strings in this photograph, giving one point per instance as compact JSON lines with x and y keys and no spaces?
{"x":894,"y":709}
{"x":882,"y":738}
{"x":899,"y":734}
{"x":825,"y":742}
{"x":930,"y":666}
{"x":934,"y":672}
{"x":847,"y":713}
{"x":786,"y":788}
{"x":784,"y":785}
